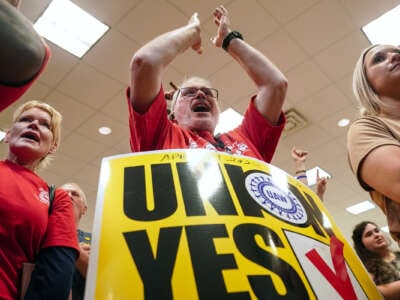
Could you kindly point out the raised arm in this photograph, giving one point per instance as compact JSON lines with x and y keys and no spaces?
{"x":22,"y":50}
{"x":270,"y":82}
{"x":321,"y":185}
{"x":299,"y":158}
{"x":150,"y":61}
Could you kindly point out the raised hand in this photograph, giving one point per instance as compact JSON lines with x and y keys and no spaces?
{"x":195,"y":23}
{"x":221,"y":19}
{"x":299,"y":155}
{"x":321,"y":185}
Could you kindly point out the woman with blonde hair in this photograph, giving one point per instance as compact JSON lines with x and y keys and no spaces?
{"x":373,"y":140}
{"x":34,"y":228}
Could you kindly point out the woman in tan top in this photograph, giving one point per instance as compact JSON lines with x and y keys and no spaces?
{"x":373,"y":140}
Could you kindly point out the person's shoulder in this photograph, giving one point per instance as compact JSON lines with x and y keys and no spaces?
{"x":362,"y":120}
{"x":367,"y":124}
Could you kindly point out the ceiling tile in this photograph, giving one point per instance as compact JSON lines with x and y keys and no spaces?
{"x":89,"y":86}
{"x":90,"y":129}
{"x":239,"y":12}
{"x":301,"y":86}
{"x":117,"y":108}
{"x":64,"y":166}
{"x":322,"y":104}
{"x":164,"y":17}
{"x":87,"y":176}
{"x":329,"y":124}
{"x":232,"y":83}
{"x":32,"y":9}
{"x":205,"y":8}
{"x":338,"y":59}
{"x":285,"y":10}
{"x":60,"y":64}
{"x":210,"y":61}
{"x":112,"y":55}
{"x":282,"y":50}
{"x":74,"y":113}
{"x":108,"y":12}
{"x":81,"y":148}
{"x":308,"y":138}
{"x":364,"y":11}
{"x":345,"y":85}
{"x":318,"y":28}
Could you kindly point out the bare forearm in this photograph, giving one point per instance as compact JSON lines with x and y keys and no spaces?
{"x":299,"y":165}
{"x":149,"y":63}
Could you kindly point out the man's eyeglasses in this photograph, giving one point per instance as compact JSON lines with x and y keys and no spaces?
{"x":192,"y":92}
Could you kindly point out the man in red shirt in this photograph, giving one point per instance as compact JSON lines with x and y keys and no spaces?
{"x":23,"y":53}
{"x":195,"y":109}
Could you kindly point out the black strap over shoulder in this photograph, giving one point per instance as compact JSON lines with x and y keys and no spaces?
{"x":52,"y":191}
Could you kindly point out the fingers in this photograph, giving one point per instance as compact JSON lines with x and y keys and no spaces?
{"x":194,"y":19}
{"x":220,"y":11}
{"x":195,"y":22}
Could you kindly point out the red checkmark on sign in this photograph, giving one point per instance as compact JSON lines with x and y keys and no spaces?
{"x":339,"y":278}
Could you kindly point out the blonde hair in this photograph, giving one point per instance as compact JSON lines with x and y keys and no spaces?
{"x":55,"y":124}
{"x":369,"y":101}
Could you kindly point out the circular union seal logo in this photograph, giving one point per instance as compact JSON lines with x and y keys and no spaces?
{"x":280,"y":203}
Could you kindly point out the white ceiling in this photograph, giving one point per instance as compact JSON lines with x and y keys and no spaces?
{"x":314,"y":42}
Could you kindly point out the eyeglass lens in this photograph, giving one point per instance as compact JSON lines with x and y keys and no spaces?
{"x":192,"y":91}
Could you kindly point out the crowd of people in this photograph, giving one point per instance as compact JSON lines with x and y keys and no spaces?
{"x":44,"y":254}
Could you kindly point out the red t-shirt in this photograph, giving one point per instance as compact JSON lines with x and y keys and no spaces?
{"x":10,"y":94}
{"x":25,"y":223}
{"x":255,"y":137}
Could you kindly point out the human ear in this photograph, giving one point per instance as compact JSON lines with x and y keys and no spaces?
{"x":53,"y":149}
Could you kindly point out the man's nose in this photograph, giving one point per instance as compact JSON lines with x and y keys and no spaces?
{"x":199,"y":93}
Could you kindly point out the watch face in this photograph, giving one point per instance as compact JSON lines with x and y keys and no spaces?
{"x":279,"y":202}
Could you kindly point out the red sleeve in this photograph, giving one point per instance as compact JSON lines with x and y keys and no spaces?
{"x":10,"y":94}
{"x":61,"y":229}
{"x":147,"y":129}
{"x":262,"y":134}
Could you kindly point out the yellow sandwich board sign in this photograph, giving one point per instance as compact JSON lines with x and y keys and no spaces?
{"x":199,"y":224}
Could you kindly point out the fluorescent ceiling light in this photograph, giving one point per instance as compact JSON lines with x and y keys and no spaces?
{"x":383,"y":29}
{"x":2,"y":135}
{"x":360,"y":207}
{"x":68,"y":26}
{"x":228,"y":120}
{"x":312,"y":175}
